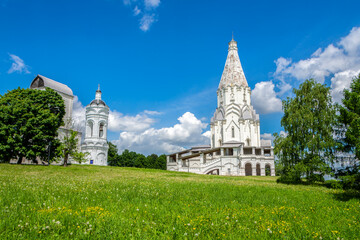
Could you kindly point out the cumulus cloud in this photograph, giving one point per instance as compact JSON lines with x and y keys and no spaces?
{"x":119,"y":122}
{"x":188,"y":132}
{"x":341,"y":81}
{"x":146,"y":12}
{"x":264,"y":98}
{"x":267,"y":136}
{"x":340,"y":62}
{"x":18,"y":65}
{"x":137,"y":134}
{"x":78,"y":115}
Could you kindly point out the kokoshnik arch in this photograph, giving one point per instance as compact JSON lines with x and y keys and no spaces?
{"x":236,"y":148}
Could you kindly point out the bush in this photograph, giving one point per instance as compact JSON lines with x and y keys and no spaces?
{"x":351,"y":181}
{"x":335,"y":184}
{"x":316,"y":177}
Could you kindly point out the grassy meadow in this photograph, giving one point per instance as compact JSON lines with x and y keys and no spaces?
{"x":91,"y":202}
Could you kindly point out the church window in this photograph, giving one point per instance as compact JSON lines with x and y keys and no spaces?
{"x":101,"y":130}
{"x":258,"y":170}
{"x":232,"y":132}
{"x":90,"y":129}
{"x":248,"y":169}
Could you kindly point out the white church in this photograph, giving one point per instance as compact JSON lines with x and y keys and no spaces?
{"x":236,"y":148}
{"x":96,"y":121}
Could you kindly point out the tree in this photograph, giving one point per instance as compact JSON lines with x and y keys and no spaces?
{"x":29,"y":120}
{"x":68,"y":147}
{"x":349,"y":126}
{"x":309,"y":120}
{"x":113,"y":156}
{"x":80,"y":157}
{"x":140,"y":161}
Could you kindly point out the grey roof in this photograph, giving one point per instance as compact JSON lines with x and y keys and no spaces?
{"x":231,"y":144}
{"x":42,"y":82}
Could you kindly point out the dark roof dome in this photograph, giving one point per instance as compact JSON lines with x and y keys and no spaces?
{"x":98,"y":102}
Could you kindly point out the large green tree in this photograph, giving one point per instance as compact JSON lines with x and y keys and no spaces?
{"x":349,"y":126}
{"x":113,"y":155}
{"x":29,"y":120}
{"x":309,"y":120}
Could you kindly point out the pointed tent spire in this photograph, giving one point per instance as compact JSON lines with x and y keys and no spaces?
{"x":233,"y":72}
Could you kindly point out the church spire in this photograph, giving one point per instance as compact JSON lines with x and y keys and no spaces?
{"x":233,"y":73}
{"x":98,"y":93}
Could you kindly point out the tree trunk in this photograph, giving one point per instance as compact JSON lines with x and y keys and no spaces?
{"x":20,"y":160}
{"x":66,"y":159}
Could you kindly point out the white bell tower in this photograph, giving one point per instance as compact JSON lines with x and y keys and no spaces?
{"x":95,"y":141}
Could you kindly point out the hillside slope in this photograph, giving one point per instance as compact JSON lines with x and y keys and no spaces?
{"x":115,"y":203}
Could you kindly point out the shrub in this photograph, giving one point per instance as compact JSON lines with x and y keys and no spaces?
{"x":335,"y":184}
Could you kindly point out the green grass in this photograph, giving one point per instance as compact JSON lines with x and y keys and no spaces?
{"x":89,"y":202}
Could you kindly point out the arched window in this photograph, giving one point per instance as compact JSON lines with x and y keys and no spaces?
{"x":258,"y":170}
{"x":248,"y":169}
{"x":232,"y":132}
{"x":101,"y":130}
{"x":89,"y":130}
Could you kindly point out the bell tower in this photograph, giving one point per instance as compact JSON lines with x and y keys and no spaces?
{"x":95,"y":141}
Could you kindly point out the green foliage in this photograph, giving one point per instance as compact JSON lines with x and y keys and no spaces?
{"x":133,"y":159}
{"x":335,"y":184}
{"x":309,"y":120}
{"x":29,"y":120}
{"x":94,"y":202}
{"x":68,"y":147}
{"x":112,"y":154}
{"x":349,"y":132}
{"x":80,"y":157}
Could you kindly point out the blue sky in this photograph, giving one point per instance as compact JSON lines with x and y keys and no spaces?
{"x":159,"y":62}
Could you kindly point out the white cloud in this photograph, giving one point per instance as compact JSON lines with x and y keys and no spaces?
{"x":264,"y":98}
{"x":267,"y":136}
{"x":145,"y":11}
{"x":341,"y":81}
{"x":146,"y":21}
{"x":340,"y":61}
{"x":188,"y":132}
{"x":136,"y":10}
{"x":18,"y":65}
{"x":149,"y":112}
{"x":137,"y":134}
{"x":119,"y":122}
{"x":152,"y":3}
{"x":78,"y":115}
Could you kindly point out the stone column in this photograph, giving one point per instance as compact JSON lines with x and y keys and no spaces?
{"x":167,"y":159}
{"x":202,"y":158}
{"x":222,"y":152}
{"x":253,"y":151}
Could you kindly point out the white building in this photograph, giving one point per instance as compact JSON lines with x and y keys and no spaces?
{"x":236,"y":148}
{"x":95,"y":141}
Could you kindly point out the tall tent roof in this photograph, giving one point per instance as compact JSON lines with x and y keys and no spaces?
{"x":43,"y":82}
{"x":233,"y":73}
